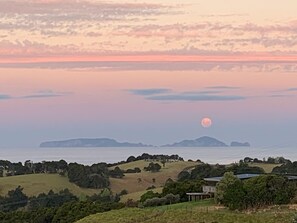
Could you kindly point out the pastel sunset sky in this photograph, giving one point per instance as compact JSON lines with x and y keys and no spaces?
{"x":148,"y":70}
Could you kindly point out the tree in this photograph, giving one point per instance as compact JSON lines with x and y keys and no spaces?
{"x":163,"y":161}
{"x":116,"y":173}
{"x":243,"y":168}
{"x":14,"y":200}
{"x":182,"y":188}
{"x":206,"y":170}
{"x":153,"y":167}
{"x":184,"y":175}
{"x":149,"y":195}
{"x":234,"y":196}
{"x":131,"y":159}
{"x":227,"y":180}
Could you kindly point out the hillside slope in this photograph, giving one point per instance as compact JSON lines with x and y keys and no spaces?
{"x":132,"y":183}
{"x":35,"y":184}
{"x":203,"y":211}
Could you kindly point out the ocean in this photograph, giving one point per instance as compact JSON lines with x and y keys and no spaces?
{"x":222,"y":155}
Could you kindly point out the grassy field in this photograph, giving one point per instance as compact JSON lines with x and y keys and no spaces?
{"x":130,"y":181}
{"x":35,"y":184}
{"x":266,"y":166}
{"x":198,"y":212}
{"x":136,"y":195}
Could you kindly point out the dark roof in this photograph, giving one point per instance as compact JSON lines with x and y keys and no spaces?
{"x":239,"y":176}
{"x":292,"y":177}
{"x":196,"y":194}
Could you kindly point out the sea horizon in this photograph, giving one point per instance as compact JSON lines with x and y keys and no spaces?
{"x":91,"y":155}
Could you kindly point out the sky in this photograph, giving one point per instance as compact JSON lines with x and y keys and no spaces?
{"x":148,"y":71}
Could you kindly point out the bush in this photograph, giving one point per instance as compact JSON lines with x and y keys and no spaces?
{"x":181,"y":188}
{"x":123,"y":192}
{"x":149,"y":195}
{"x":151,"y":187}
{"x":153,"y":167}
{"x":168,"y":199}
{"x":135,"y":170}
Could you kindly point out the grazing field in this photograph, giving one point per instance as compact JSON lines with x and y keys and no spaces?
{"x":136,"y":182}
{"x":35,"y":184}
{"x":204,"y":211}
{"x":136,"y":195}
{"x":267,"y":167}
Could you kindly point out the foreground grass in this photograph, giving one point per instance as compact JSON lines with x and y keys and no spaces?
{"x":199,"y":212}
{"x":35,"y":184}
{"x":130,"y":181}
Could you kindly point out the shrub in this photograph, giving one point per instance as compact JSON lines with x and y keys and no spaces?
{"x":168,"y":199}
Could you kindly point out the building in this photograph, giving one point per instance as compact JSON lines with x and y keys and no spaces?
{"x":209,"y":189}
{"x":211,"y":182}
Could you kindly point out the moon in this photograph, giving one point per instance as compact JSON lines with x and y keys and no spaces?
{"x":206,"y":122}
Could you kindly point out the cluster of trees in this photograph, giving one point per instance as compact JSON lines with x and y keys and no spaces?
{"x":286,"y":168}
{"x":207,"y":170}
{"x":255,"y":192}
{"x":53,"y":207}
{"x":159,"y":201}
{"x":135,"y":170}
{"x":51,"y":199}
{"x":116,"y":173}
{"x":153,"y":167}
{"x":146,"y":156}
{"x":181,"y":188}
{"x":176,"y":188}
{"x":271,"y":160}
{"x":69,"y":212}
{"x":15,"y":199}
{"x":8,"y":168}
{"x":95,"y":176}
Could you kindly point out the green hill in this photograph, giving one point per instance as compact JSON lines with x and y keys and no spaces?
{"x":204,"y":211}
{"x":132,"y":183}
{"x":35,"y":184}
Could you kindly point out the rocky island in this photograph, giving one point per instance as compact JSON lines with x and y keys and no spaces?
{"x":204,"y":141}
{"x":99,"y":142}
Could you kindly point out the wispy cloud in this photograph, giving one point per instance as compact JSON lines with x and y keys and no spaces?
{"x":45,"y":94}
{"x":5,"y":97}
{"x":35,"y":95}
{"x":171,"y":95}
{"x":196,"y":97}
{"x":280,"y":96}
{"x":292,"y":89}
{"x":151,"y":91}
{"x":223,"y":87}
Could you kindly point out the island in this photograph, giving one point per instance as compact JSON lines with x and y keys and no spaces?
{"x":204,"y":141}
{"x":240,"y":144}
{"x":84,"y":142}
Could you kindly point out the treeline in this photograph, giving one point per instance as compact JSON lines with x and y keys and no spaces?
{"x":255,"y":192}
{"x":148,"y":157}
{"x":206,"y":170}
{"x":53,"y":207}
{"x":94,"y":176}
{"x":270,"y":160}
{"x":8,"y":168}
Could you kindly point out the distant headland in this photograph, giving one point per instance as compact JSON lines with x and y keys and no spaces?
{"x":84,"y":142}
{"x":204,"y":141}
